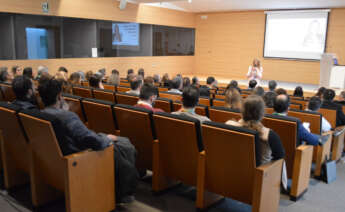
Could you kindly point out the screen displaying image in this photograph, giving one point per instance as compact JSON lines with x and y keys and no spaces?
{"x":296,"y":35}
{"x":126,"y":34}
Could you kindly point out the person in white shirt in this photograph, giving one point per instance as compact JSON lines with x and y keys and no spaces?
{"x":314,"y":105}
{"x":176,"y":86}
{"x":255,"y":71}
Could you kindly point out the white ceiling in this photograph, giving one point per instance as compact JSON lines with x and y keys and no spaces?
{"x":228,"y":5}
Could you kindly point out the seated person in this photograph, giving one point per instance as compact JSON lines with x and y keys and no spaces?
{"x":190,"y":99}
{"x":233,"y":84}
{"x":341,"y":98}
{"x":253,"y":111}
{"x":28,"y":72}
{"x":149,"y":80}
{"x":130,"y":74}
{"x":176,"y":85}
{"x":16,"y":71}
{"x":77,"y":137}
{"x":328,"y":103}
{"x":114,"y":78}
{"x":4,"y":75}
{"x":211,"y":83}
{"x":314,"y":105}
{"x":269,"y":98}
{"x":195,"y":82}
{"x":281,"y":107}
{"x":186,"y":82}
{"x":135,"y":84}
{"x":281,"y":91}
{"x":141,"y":72}
{"x":148,"y":95}
{"x":298,"y":92}
{"x":272,"y":85}
{"x":95,"y":81}
{"x":24,"y":90}
{"x":252,"y":84}
{"x":259,"y":91}
{"x":233,"y":99}
{"x":320,"y":92}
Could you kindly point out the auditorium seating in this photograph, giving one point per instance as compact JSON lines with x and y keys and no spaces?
{"x":109,"y":87}
{"x":7,"y":92}
{"x":295,"y":106}
{"x":84,"y":92}
{"x":330,"y":115}
{"x":162,"y":89}
{"x":102,"y":94}
{"x":164,"y":104}
{"x":223,"y":114}
{"x":204,"y":101}
{"x":122,"y":89}
{"x":228,"y":168}
{"x":137,"y":125}
{"x":176,"y":150}
{"x":125,"y":84}
{"x":100,"y":116}
{"x":85,"y":83}
{"x":218,"y":102}
{"x":199,"y":109}
{"x":173,"y":97}
{"x":15,"y":147}
{"x":218,"y":96}
{"x":52,"y":174}
{"x":75,"y":105}
{"x":126,"y":99}
{"x":338,"y":143}
{"x":304,"y":103}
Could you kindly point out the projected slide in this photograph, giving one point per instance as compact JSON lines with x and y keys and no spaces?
{"x":299,"y":35}
{"x":126,"y":34}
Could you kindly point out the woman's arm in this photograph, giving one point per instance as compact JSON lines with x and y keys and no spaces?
{"x":276,"y":145}
{"x":249,"y":72}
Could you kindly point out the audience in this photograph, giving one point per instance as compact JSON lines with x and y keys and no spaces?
{"x":190,"y":99}
{"x":95,"y":81}
{"x":211,"y":83}
{"x":252,"y":84}
{"x":272,"y":85}
{"x":280,"y":91}
{"x":233,"y":84}
{"x":75,"y":79}
{"x":102,"y":72}
{"x":76,"y":137}
{"x":135,"y":86}
{"x":186,"y":82}
{"x":63,"y":73}
{"x":149,"y":80}
{"x":41,"y":70}
{"x":328,"y":103}
{"x":298,"y":92}
{"x":269,"y":99}
{"x":195,"y":82}
{"x":66,"y":87}
{"x":233,"y":99}
{"x":88,"y":75}
{"x":253,"y":111}
{"x":16,"y":71}
{"x":165,"y":81}
{"x":281,"y":107}
{"x":4,"y":76}
{"x":176,"y":85}
{"x":28,"y":72}
{"x":141,"y":72}
{"x":157,"y":78}
{"x":24,"y":91}
{"x":341,"y":98}
{"x":147,"y":97}
{"x":314,"y":105}
{"x":259,"y":91}
{"x":114,"y":78}
{"x":320,"y":92}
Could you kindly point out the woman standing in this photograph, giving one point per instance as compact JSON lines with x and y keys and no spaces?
{"x":255,"y":71}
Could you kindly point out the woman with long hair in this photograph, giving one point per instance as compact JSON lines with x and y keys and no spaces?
{"x":255,"y":71}
{"x":233,"y":99}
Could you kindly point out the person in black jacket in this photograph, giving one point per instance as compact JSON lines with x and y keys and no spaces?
{"x":211,"y":83}
{"x":24,"y":90}
{"x":328,"y":103}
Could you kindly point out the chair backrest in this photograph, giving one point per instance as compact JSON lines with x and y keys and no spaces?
{"x":85,"y":83}
{"x":164,"y":104}
{"x":296,"y":106}
{"x":40,"y":129}
{"x":7,"y":92}
{"x":109,"y":87}
{"x":223,"y":114}
{"x":126,"y":84}
{"x":122,"y":89}
{"x":100,"y":116}
{"x":15,"y":141}
{"x":314,"y":118}
{"x":137,"y":125}
{"x":330,"y":115}
{"x":269,"y":110}
{"x":173,"y":97}
{"x":218,"y":96}
{"x":199,"y":109}
{"x":343,"y":108}
{"x":230,"y":160}
{"x":218,"y":102}
{"x":286,"y":128}
{"x":126,"y":99}
{"x":162,"y":89}
{"x":179,"y":145}
{"x":304,"y":103}
{"x":75,"y":105}
{"x":106,"y":95}
{"x":82,"y":91}
{"x":204,"y":101}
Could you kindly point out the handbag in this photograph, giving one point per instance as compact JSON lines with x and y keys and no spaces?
{"x":329,"y":171}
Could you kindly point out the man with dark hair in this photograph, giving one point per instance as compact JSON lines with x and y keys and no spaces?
{"x":269,"y":99}
{"x":63,"y":69}
{"x":190,"y":99}
{"x":211,"y":83}
{"x":135,"y":86}
{"x":130,"y":74}
{"x":25,"y":93}
{"x":281,"y":107}
{"x":328,"y":103}
{"x":141,"y":72}
{"x":259,"y":91}
{"x":280,"y":91}
{"x":28,"y":72}
{"x":4,"y":76}
{"x":252,"y":84}
{"x":77,"y":137}
{"x":95,"y":81}
{"x":272,"y":85}
{"x":233,"y":84}
{"x":147,"y":97}
{"x":314,"y":105}
{"x":195,"y":82}
{"x":176,"y":85}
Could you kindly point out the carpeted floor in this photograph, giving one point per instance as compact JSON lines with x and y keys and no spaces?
{"x":320,"y":197}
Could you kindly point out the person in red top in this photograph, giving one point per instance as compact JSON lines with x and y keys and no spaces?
{"x":148,"y":95}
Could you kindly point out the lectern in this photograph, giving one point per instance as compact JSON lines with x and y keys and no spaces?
{"x":326,"y":65}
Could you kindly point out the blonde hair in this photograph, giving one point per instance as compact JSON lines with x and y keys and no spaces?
{"x":256,"y":61}
{"x":233,"y":98}
{"x":253,"y":110}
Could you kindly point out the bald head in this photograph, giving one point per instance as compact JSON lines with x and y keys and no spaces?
{"x":281,"y":103}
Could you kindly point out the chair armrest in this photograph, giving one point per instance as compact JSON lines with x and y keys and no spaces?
{"x":90,"y":177}
{"x":266,"y":191}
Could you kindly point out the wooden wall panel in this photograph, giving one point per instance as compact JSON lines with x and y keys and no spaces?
{"x":153,"y":65}
{"x":226,"y":44}
{"x":102,"y":9}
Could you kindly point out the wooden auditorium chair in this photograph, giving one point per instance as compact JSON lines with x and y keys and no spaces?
{"x":7,"y":92}
{"x":75,"y":105}
{"x":102,"y":94}
{"x":205,"y":101}
{"x":165,"y":104}
{"x":122,"y":89}
{"x":295,"y":106}
{"x":109,"y":87}
{"x":173,"y":97}
{"x":230,"y":168}
{"x":303,"y":103}
{"x":199,"y":109}
{"x":15,"y":148}
{"x":137,"y":125}
{"x":218,"y":102}
{"x":125,"y":83}
{"x":100,"y":116}
{"x":162,"y":89}
{"x":223,"y":114}
{"x":84,"y":92}
{"x":218,"y":96}
{"x":85,"y":178}
{"x":85,"y":83}
{"x":175,"y":151}
{"x":126,"y":99}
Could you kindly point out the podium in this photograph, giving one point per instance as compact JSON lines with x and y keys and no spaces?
{"x":331,"y":76}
